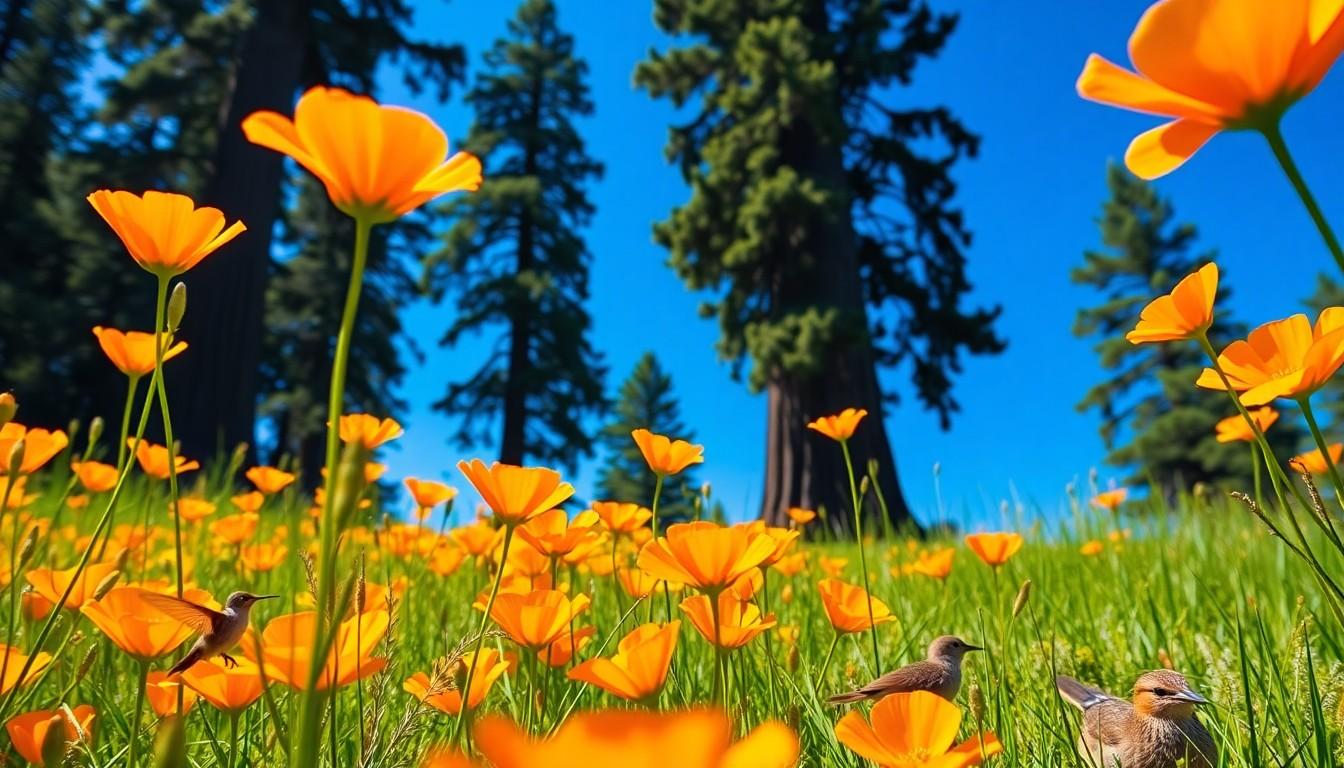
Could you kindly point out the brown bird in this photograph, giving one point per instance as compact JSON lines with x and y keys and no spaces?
{"x":939,"y":673}
{"x":1158,"y":730}
{"x":220,"y":630}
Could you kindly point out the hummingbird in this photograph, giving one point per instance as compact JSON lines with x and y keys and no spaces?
{"x":939,"y":673}
{"x":1158,"y":729}
{"x":220,"y":630}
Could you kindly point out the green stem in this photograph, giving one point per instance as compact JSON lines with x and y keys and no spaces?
{"x":657,"y":494}
{"x":134,"y":748}
{"x":480,"y":635}
{"x":233,"y":738}
{"x":825,"y":665}
{"x":1255,"y":473}
{"x":863,"y":558}
{"x":310,"y":710}
{"x":161,"y":341}
{"x":719,"y":677}
{"x":1274,"y":136}
{"x":1333,"y":471}
{"x":13,"y":571}
{"x":132,"y":385}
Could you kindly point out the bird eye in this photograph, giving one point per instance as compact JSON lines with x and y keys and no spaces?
{"x":1163,"y":692}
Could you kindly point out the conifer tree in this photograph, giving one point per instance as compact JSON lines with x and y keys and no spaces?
{"x":822,"y":218}
{"x":515,"y":259}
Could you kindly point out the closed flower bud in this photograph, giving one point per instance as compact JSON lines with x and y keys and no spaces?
{"x":873,"y":467}
{"x":72,"y":429}
{"x":109,"y":581}
{"x":14,"y":461}
{"x":53,"y":744}
{"x":1023,"y":595}
{"x":863,"y":486}
{"x":177,"y":307}
{"x":792,"y":660}
{"x":8,"y":407}
{"x":95,"y":430}
{"x":26,"y":549}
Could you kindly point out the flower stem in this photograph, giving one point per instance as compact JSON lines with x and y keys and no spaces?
{"x":825,"y":665}
{"x":863,"y":558}
{"x":161,"y":341}
{"x":133,"y":382}
{"x":480,"y":634}
{"x":133,"y":750}
{"x":1274,"y":136}
{"x":653,"y":521}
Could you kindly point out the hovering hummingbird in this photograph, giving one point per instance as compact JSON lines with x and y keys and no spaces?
{"x":1158,"y":730}
{"x":939,"y":674}
{"x":220,"y":630}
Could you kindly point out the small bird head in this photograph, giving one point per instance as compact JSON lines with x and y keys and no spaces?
{"x":1165,"y":694}
{"x":244,"y":600}
{"x":951,"y":647}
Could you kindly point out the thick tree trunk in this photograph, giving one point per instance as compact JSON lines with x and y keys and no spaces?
{"x":215,"y":382}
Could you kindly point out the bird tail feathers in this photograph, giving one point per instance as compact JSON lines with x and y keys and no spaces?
{"x":1077,"y":694}
{"x":193,"y":656}
{"x":847,"y":698}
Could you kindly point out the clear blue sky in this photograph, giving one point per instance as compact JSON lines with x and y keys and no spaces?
{"x":1031,"y":199}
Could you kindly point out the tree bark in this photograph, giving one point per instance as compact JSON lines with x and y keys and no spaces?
{"x":215,"y":382}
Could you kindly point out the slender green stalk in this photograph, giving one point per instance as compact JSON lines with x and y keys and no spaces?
{"x":830,"y":652}
{"x":657,"y":494}
{"x":1305,"y":404}
{"x":480,"y":633}
{"x":1255,"y":474}
{"x":14,"y":570}
{"x":161,"y":341}
{"x":233,"y":738}
{"x":134,"y":748}
{"x":1274,"y":136}
{"x":863,"y":558}
{"x":720,"y":679}
{"x":133,"y":383}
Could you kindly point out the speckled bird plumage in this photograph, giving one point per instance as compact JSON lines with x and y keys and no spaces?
{"x":938,"y":673}
{"x":1158,"y":729}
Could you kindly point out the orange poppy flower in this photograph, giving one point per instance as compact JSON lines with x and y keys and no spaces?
{"x":639,"y":668}
{"x":994,"y":548}
{"x":564,"y":647}
{"x":911,"y":730}
{"x":622,"y":517}
{"x":635,"y":582}
{"x":800,"y":516}
{"x":164,"y":232}
{"x":705,"y":555}
{"x":783,"y":539}
{"x":136,"y":626}
{"x":270,"y":480}
{"x":153,"y":459}
{"x":39,"y":446}
{"x":377,"y":162}
{"x":1234,"y":429}
{"x":429,"y":494}
{"x":35,"y":606}
{"x":476,"y":539}
{"x":368,"y":430}
{"x":52,"y":584}
{"x":516,"y":494}
{"x":13,"y":660}
{"x":287,"y":649}
{"x":230,"y":689}
{"x":1110,"y":500}
{"x":666,"y":456}
{"x":1314,"y":462}
{"x":847,"y":606}
{"x":490,"y":668}
{"x":739,"y":621}
{"x":1091,"y":548}
{"x":235,"y":529}
{"x":1286,"y":358}
{"x":936,"y":564}
{"x":1185,"y":313}
{"x":446,"y":560}
{"x":162,"y":694}
{"x":95,"y":476}
{"x":791,"y":565}
{"x":263,"y":557}
{"x":192,"y":509}
{"x":553,"y":534}
{"x":250,"y":502}
{"x":132,"y":352}
{"x":623,"y":738}
{"x":834,"y":567}
{"x":28,"y":732}
{"x":534,"y":620}
{"x":1212,"y":67}
{"x":841,"y":426}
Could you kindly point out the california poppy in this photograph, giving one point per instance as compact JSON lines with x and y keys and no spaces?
{"x":622,"y":517}
{"x":377,"y":162}
{"x":994,"y":548}
{"x":132,"y":352}
{"x":235,"y":529}
{"x":270,"y":480}
{"x":448,"y":699}
{"x":1214,"y":66}
{"x":95,"y":476}
{"x":1287,"y":358}
{"x":1314,"y":461}
{"x":911,"y":730}
{"x":161,"y":691}
{"x":192,"y":508}
{"x":153,"y":459}
{"x":534,"y":620}
{"x":936,"y":564}
{"x":1235,"y":429}
{"x":231,"y":689}
{"x":553,"y":534}
{"x":565,"y":646}
{"x":639,"y":668}
{"x":164,"y":232}
{"x":428,"y":494}
{"x":1185,"y":313}
{"x":368,"y":431}
{"x":262,"y":557}
{"x":1110,"y":500}
{"x":250,"y":502}
{"x":476,"y":539}
{"x":39,"y":446}
{"x":800,"y":516}
{"x":848,"y":607}
{"x":516,"y":494}
{"x":13,"y":659}
{"x":287,"y":648}
{"x":136,"y":626}
{"x":739,"y":622}
{"x":664,"y":455}
{"x":841,"y":426}
{"x":1091,"y":548}
{"x":705,"y":555}
{"x":29,"y":732}
{"x":51,"y":584}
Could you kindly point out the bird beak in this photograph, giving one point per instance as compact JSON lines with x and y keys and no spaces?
{"x":970,"y":647}
{"x":1192,"y":697}
{"x":267,"y":597}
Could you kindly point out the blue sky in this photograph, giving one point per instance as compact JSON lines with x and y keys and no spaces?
{"x":1031,"y":199}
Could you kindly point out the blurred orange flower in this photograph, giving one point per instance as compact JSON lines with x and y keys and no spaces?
{"x":739,"y":621}
{"x":136,"y":626}
{"x":1214,"y":66}
{"x":1185,"y":313}
{"x":833,"y":567}
{"x":445,"y":560}
{"x":664,"y":455}
{"x":841,"y":426}
{"x":476,"y":539}
{"x":622,"y":517}
{"x":287,"y":648}
{"x":535,"y":619}
{"x":262,"y":557}
{"x":705,"y":555}
{"x":1110,"y":500}
{"x":936,"y":564}
{"x":1091,"y":548}
{"x":490,"y":668}
{"x":911,"y":730}
{"x":847,"y":606}
{"x":994,"y":548}
{"x":250,"y":502}
{"x":13,"y":660}
{"x":516,"y":494}
{"x":1314,"y":461}
{"x":553,"y":534}
{"x":791,"y":565}
{"x":164,"y":232}
{"x":28,"y":732}
{"x":368,"y":430}
{"x":95,"y":476}
{"x":566,"y":646}
{"x":228,"y":689}
{"x":132,"y":352}
{"x":1235,"y":429}
{"x":1286,"y":358}
{"x":377,"y":162}
{"x":39,"y":446}
{"x":153,"y":459}
{"x":235,"y":529}
{"x":270,"y":480}
{"x":639,"y":668}
{"x":161,"y":691}
{"x":192,"y":509}
{"x":428,"y":494}
{"x":800,"y":516}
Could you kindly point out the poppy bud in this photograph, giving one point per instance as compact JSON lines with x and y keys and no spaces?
{"x":53,"y":743}
{"x":95,"y":431}
{"x":109,"y":581}
{"x":863,"y":486}
{"x":15,"y":458}
{"x":1023,"y":594}
{"x":26,"y":549}
{"x":237,"y":459}
{"x":873,"y":466}
{"x":8,"y":407}
{"x":177,"y":307}
{"x":72,"y":429}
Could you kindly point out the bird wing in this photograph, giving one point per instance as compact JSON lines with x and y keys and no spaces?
{"x":1081,"y":696}
{"x":920,"y":676}
{"x":1110,"y":722}
{"x":198,"y":617}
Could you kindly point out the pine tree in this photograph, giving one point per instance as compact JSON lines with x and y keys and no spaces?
{"x":645,"y":401}
{"x":822,"y":218}
{"x":515,"y":258}
{"x":1163,"y":432}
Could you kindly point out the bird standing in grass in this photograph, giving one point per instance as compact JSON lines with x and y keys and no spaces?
{"x":220,"y":630}
{"x":1158,"y":730}
{"x":939,"y":673}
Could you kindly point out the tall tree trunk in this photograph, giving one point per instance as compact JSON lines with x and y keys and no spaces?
{"x":215,"y":383}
